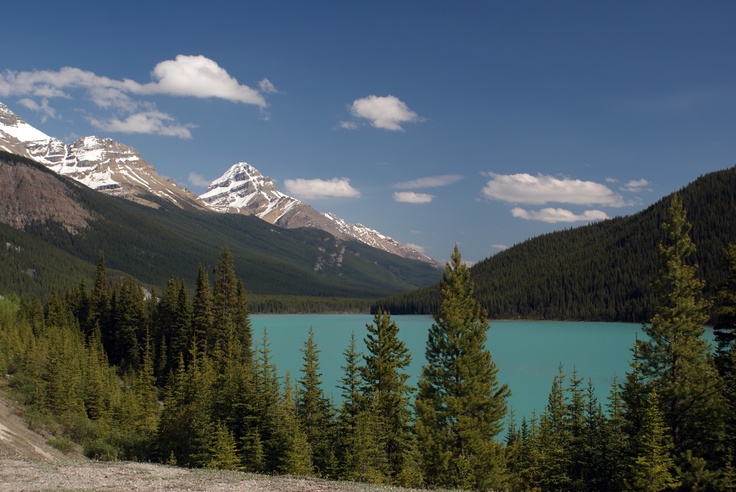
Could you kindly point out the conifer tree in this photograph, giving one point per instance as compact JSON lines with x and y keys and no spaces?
{"x":555,"y":438}
{"x":297,"y":458}
{"x":202,"y":310}
{"x":385,"y":386}
{"x":675,"y":358}
{"x":314,"y":410}
{"x":460,"y":404}
{"x":222,"y":450}
{"x":652,"y":465}
{"x":351,"y":403}
{"x":725,"y":334}
{"x":173,"y":315}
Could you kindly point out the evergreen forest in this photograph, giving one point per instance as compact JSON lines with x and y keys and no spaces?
{"x":178,"y":377}
{"x":596,"y":272}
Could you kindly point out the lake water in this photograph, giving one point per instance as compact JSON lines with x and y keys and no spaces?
{"x":527,"y":353}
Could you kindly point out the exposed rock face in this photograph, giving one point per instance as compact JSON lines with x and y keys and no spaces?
{"x":30,"y":195}
{"x":117,"y":169}
{"x":100,"y":163}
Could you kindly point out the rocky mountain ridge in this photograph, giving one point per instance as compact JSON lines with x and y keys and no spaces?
{"x":243,"y":189}
{"x":117,"y":169}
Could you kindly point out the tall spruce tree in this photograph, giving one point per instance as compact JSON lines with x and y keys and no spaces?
{"x":460,"y":404}
{"x":652,"y":464}
{"x":675,"y":358}
{"x":725,"y":334}
{"x":314,"y":410}
{"x":385,"y":386}
{"x":202,"y":310}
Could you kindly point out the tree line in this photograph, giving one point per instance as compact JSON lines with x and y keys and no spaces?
{"x":597,"y":272}
{"x":180,"y":379}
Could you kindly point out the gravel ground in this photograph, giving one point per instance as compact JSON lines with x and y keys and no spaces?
{"x":28,"y":463}
{"x":25,"y":475}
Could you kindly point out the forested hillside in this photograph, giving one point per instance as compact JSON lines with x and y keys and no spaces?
{"x":184,"y":380}
{"x":601,"y":271}
{"x":53,"y":230}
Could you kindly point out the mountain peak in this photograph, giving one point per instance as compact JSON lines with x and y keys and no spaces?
{"x":14,"y":126}
{"x":243,"y":189}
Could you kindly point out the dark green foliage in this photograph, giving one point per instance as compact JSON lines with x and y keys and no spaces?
{"x":315,"y":412}
{"x":460,"y":404}
{"x":153,"y":244}
{"x":675,"y":360}
{"x":597,"y":272}
{"x":386,"y":392}
{"x":651,"y":464}
{"x":725,"y":334}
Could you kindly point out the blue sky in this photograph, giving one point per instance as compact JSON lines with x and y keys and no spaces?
{"x":483,"y":123}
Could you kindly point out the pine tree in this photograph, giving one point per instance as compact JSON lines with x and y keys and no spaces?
{"x":222,"y":449}
{"x":652,"y":465}
{"x":675,"y":359}
{"x":385,"y":385}
{"x":314,"y":410}
{"x":555,"y":438}
{"x":202,"y":311}
{"x":725,"y":334}
{"x":297,"y":457}
{"x":351,"y":404}
{"x":460,"y":404}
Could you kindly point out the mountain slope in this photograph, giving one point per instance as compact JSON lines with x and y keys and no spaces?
{"x":243,"y":189}
{"x":117,"y":169}
{"x":153,"y":243}
{"x":601,"y":271}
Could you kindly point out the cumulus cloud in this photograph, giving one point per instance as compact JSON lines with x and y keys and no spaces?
{"x":541,"y":189}
{"x":348,"y":125}
{"x":429,"y":182}
{"x":185,"y":76}
{"x":412,"y":197}
{"x":320,"y":188}
{"x":198,"y":180}
{"x":555,"y":215}
{"x":152,"y":122}
{"x":636,"y":185}
{"x":387,"y":112}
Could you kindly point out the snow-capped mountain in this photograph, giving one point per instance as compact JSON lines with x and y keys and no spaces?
{"x":243,"y":189}
{"x":100,"y":163}
{"x":114,"y":168}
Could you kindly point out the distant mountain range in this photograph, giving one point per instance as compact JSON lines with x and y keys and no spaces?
{"x":119,"y":170}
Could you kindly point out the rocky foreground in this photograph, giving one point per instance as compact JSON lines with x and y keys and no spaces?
{"x":29,"y":463}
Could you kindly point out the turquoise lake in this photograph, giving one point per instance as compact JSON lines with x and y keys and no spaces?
{"x":527,"y":353}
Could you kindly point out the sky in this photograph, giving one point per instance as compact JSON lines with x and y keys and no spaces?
{"x":477,"y":123}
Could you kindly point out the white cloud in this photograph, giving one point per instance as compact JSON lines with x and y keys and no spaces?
{"x":415,"y":247}
{"x":43,"y":108}
{"x":152,"y":122}
{"x":636,"y":185}
{"x":412,"y":197}
{"x":387,"y":112}
{"x":429,"y":182}
{"x":197,"y":76}
{"x":187,"y":76}
{"x":554,"y":215}
{"x":198,"y":180}
{"x":541,"y":189}
{"x":319,"y":188}
{"x":499,"y":247}
{"x":267,"y":87}
{"x":348,"y":125}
